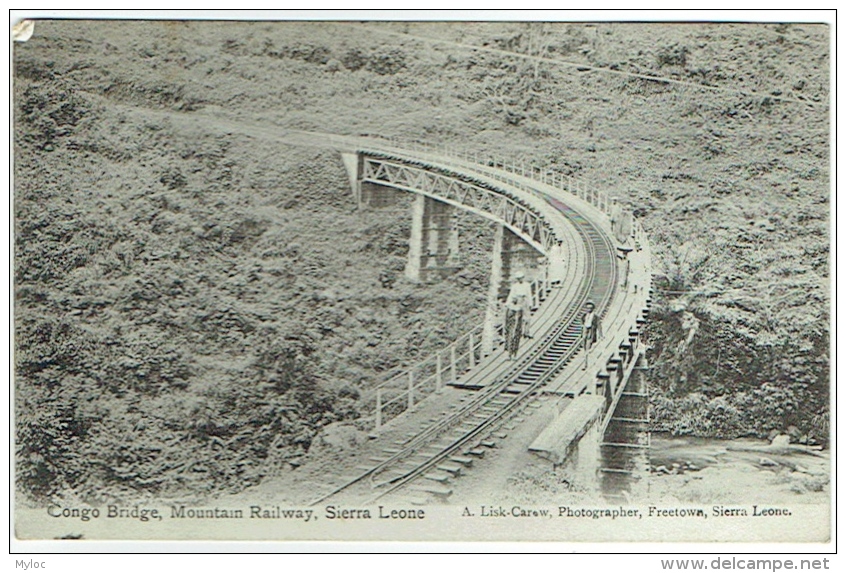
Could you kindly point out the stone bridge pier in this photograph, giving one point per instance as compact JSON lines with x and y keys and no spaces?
{"x":602,"y":435}
{"x":433,"y":245}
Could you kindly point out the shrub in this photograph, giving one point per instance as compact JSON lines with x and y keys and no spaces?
{"x":388,"y":62}
{"x":354,"y":59}
{"x":673,"y":55}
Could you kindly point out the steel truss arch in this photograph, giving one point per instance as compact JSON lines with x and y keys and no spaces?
{"x":488,"y":202}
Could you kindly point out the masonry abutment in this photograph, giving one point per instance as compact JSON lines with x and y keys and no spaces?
{"x":415,"y":242}
{"x":441,"y":232}
{"x":352,"y":164}
{"x":433,"y":245}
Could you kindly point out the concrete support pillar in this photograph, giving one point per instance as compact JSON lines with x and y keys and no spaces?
{"x":492,"y":309}
{"x":452,"y":240}
{"x":415,"y":242}
{"x":441,"y":229}
{"x":352,"y":163}
{"x":433,"y":247}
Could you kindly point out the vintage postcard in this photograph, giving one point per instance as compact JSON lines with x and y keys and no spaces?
{"x":421,"y":281}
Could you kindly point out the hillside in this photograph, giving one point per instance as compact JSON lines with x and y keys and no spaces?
{"x":193,"y":305}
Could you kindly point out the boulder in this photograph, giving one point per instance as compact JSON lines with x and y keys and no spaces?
{"x":781,"y":441}
{"x":339,"y":436}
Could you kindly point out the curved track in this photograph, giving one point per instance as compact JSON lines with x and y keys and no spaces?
{"x":437,"y":450}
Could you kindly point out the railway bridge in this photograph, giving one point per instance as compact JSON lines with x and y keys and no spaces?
{"x":574,"y":245}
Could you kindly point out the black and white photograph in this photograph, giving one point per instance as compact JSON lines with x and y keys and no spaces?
{"x":422,"y":280}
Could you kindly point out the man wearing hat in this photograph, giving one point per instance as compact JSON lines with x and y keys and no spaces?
{"x":591,"y":329}
{"x":517,"y":313}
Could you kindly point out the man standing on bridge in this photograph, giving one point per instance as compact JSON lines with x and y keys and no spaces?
{"x":517,"y":314}
{"x":591,"y":329}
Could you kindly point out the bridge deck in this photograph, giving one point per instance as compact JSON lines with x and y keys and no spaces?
{"x":625,"y":308}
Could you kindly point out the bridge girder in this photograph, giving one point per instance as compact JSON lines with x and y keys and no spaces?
{"x":490,"y":203}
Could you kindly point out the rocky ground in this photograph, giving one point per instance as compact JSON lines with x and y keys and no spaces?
{"x":737,"y":471}
{"x":187,"y":319}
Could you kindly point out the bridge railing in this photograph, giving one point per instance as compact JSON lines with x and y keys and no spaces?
{"x":407,"y":386}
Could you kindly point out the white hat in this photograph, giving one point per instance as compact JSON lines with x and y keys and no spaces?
{"x":519,"y":275}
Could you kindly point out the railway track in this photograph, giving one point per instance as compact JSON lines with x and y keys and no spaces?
{"x":427,"y":461}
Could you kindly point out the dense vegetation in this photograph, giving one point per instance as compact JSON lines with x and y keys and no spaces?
{"x":187,"y":318}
